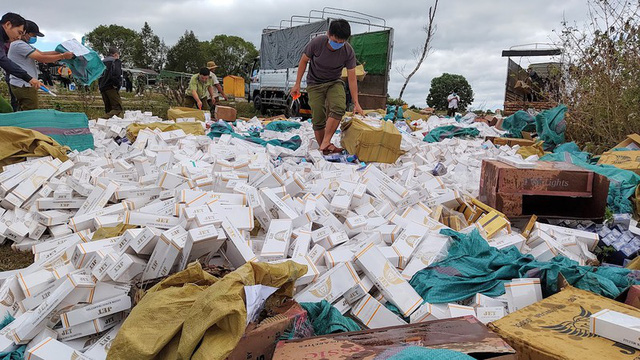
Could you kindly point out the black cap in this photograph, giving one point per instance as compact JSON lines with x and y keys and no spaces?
{"x":32,"y":28}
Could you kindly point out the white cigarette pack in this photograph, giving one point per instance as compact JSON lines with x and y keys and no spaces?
{"x":56,"y":204}
{"x":489,"y":314}
{"x":374,"y":315}
{"x":275,"y":207}
{"x":98,"y":198}
{"x":146,"y":241}
{"x":95,"y":311}
{"x":429,"y":312}
{"x":302,"y":244}
{"x":157,"y":221}
{"x":238,"y":250}
{"x":316,"y":254}
{"x":456,"y":310}
{"x":616,"y":326}
{"x":432,"y":248}
{"x":408,"y":242}
{"x":522,"y":292}
{"x":126,"y":268}
{"x":89,"y":327}
{"x":99,"y":350}
{"x":51,"y":349}
{"x":330,"y":286}
{"x":338,"y":256}
{"x":52,"y":217}
{"x":359,"y":291}
{"x":277,"y":240}
{"x":387,"y":279}
{"x":35,"y":320}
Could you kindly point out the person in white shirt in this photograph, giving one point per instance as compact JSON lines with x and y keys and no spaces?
{"x":453,"y":100}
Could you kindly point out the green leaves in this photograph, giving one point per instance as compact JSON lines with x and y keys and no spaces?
{"x":442,"y":86}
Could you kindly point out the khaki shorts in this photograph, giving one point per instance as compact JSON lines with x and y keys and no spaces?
{"x":327,"y":100}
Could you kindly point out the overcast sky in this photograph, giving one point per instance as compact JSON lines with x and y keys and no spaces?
{"x":470,"y":37}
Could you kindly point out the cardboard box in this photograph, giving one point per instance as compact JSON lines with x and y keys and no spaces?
{"x":374,"y":315}
{"x":625,"y":160}
{"x":616,"y":326}
{"x":489,"y":314}
{"x":259,"y":340}
{"x":633,"y":297}
{"x":387,"y":279}
{"x":558,"y":328}
{"x":226,"y":113}
{"x":500,"y":141}
{"x":471,"y":337}
{"x":550,"y":190}
{"x":430,"y":312}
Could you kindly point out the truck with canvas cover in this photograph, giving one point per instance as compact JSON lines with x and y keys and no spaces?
{"x":274,"y":72}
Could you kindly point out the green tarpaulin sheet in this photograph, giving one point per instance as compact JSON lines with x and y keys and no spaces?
{"x":446,"y":132}
{"x":473,"y":266}
{"x":326,"y":319}
{"x":66,"y":128}
{"x":372,"y":50}
{"x":282,"y":125}
{"x":217,"y":129}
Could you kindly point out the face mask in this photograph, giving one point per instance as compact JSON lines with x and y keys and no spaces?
{"x":32,"y":40}
{"x":335,"y":45}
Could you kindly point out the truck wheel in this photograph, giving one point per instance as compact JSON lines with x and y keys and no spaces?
{"x":292,"y":111}
{"x":258,"y":105}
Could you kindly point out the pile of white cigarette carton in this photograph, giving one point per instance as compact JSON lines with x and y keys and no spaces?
{"x":362,"y":231}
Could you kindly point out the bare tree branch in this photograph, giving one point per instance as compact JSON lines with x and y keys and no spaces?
{"x":430,"y":30}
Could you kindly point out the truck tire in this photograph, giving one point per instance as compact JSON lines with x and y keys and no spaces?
{"x":258,"y":105}
{"x":292,"y":111}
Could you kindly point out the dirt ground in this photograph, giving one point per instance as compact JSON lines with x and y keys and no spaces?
{"x":11,"y":260}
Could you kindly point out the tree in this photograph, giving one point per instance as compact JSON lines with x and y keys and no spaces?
{"x":148,"y":48}
{"x":186,"y":55}
{"x":442,"y":86}
{"x":103,"y":37}
{"x":430,"y":30}
{"x":231,"y":54}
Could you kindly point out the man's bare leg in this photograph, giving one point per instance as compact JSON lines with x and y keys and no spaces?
{"x":332,"y":126}
{"x":319,"y":136}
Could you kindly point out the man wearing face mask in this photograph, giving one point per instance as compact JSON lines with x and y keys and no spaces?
{"x":25,"y":55}
{"x":11,"y":29}
{"x":328,"y":55}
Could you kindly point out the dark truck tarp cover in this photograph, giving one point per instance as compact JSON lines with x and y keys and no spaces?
{"x":281,"y":49}
{"x":372,"y":50}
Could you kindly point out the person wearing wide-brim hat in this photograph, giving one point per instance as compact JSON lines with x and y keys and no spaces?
{"x":217,"y":89}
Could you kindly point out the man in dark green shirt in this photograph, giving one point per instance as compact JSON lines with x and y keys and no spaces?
{"x":199,"y":85}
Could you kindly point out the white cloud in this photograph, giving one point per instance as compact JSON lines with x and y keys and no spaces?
{"x":469,"y":40}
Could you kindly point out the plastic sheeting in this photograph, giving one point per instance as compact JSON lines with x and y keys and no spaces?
{"x":19,"y":144}
{"x":66,"y":128}
{"x":282,"y":49}
{"x":220,"y":128}
{"x":85,"y":68}
{"x":551,"y":125}
{"x":194,"y":315}
{"x":372,"y":50}
{"x":517,"y":123}
{"x":450,"y":131}
{"x":282,"y":125}
{"x":326,"y":319}
{"x":473,"y":266}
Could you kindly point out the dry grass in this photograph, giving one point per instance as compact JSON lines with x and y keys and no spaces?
{"x":12,"y":260}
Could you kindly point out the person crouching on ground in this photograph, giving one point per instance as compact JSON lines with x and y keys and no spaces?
{"x":328,"y":55}
{"x":199,"y":85}
{"x":25,"y":55}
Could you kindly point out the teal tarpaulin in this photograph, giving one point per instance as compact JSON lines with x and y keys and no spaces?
{"x":517,"y":123}
{"x":326,"y":319}
{"x":218,"y":129}
{"x":68,"y":129}
{"x":85,"y":68}
{"x":473,"y":266}
{"x":443,"y":132}
{"x":282,"y":126}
